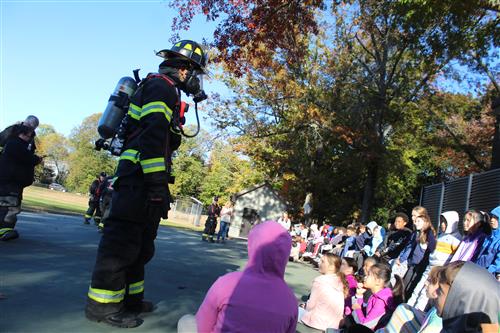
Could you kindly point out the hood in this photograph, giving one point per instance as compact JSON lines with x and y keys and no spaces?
{"x":474,"y":291}
{"x":269,"y":246}
{"x":452,"y":219}
{"x":371,"y":225}
{"x":496,"y":212}
{"x":381,"y":234}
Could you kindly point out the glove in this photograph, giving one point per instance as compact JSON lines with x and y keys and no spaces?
{"x":37,"y":159}
{"x":157,"y":197}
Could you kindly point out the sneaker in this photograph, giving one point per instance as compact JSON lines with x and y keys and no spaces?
{"x":9,"y":235}
{"x":86,"y":221}
{"x":122,"y":319}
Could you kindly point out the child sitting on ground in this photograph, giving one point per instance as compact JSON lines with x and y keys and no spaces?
{"x":407,"y":319}
{"x":349,"y":268}
{"x":325,"y":307}
{"x":383,"y":300}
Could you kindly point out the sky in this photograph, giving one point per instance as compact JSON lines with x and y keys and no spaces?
{"x":60,"y":60}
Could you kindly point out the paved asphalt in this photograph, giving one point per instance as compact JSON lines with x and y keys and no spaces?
{"x":45,"y":274}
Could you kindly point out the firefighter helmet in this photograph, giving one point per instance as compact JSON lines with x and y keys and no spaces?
{"x":189,"y":50}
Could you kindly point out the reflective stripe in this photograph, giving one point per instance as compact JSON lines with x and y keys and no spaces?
{"x":131,"y":155}
{"x":136,"y":288}
{"x":156,"y":107}
{"x":134,"y":111}
{"x":87,"y":216}
{"x":106,"y":296}
{"x":153,"y":165}
{"x":4,"y":230}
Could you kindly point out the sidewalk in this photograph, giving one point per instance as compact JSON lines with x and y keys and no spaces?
{"x":45,"y":275}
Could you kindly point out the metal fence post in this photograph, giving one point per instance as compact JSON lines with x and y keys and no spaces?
{"x":469,"y":189}
{"x":420,"y":203}
{"x":441,"y":201}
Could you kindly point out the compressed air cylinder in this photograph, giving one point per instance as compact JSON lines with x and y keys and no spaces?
{"x":117,"y":107}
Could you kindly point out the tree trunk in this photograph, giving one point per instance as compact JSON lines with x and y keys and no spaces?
{"x":495,"y":154}
{"x":371,"y":180}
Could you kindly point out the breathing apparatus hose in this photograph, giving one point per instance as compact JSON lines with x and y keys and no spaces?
{"x":197,"y":124}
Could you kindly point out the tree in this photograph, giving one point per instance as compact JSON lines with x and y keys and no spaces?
{"x":227,"y":174}
{"x":85,"y":163}
{"x":188,"y":165}
{"x":55,"y":148}
{"x":344,"y":94}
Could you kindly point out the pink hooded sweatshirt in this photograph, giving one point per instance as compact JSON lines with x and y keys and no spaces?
{"x":257,"y":299}
{"x":325,"y":307}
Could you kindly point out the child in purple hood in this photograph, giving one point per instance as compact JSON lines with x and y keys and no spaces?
{"x":256,"y":299}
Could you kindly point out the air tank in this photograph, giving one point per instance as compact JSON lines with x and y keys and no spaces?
{"x":117,"y":107}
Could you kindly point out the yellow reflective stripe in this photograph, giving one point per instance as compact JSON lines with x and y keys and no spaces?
{"x":136,"y":288}
{"x":153,"y":165}
{"x":131,"y":155}
{"x":156,"y":107}
{"x":4,"y":230}
{"x":188,"y":47}
{"x":197,"y":51}
{"x":88,"y":216}
{"x":106,"y":296}
{"x":134,"y":111}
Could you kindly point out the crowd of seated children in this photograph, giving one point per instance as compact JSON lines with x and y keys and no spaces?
{"x":415,"y":246}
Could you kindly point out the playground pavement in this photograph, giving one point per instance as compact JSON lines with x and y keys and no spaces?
{"x":45,"y":275}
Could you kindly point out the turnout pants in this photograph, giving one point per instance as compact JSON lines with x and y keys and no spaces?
{"x":210,"y":226}
{"x":126,"y":246}
{"x":10,"y":206}
{"x":94,"y":210}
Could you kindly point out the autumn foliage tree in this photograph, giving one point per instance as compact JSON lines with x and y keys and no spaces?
{"x":328,"y":96}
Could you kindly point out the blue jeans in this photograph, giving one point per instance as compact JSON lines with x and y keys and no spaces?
{"x":222,"y":230}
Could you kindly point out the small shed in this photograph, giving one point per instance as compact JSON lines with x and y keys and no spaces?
{"x":253,"y":205}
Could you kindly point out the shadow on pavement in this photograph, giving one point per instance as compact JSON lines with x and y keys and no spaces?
{"x":45,"y":275}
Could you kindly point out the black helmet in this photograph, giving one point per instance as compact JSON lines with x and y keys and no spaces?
{"x":188,"y":50}
{"x":103,"y":174}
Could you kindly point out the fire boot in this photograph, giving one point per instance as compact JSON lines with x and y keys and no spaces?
{"x":122,"y":319}
{"x":9,"y":235}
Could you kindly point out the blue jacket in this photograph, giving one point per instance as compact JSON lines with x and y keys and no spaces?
{"x":489,"y":256}
{"x":350,"y":244}
{"x":414,"y":253}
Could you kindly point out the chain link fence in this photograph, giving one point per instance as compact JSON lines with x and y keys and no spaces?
{"x":186,"y":210}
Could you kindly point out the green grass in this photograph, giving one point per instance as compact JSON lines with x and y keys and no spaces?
{"x":44,"y":200}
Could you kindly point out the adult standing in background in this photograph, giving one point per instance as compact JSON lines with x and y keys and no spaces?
{"x":211,"y":223}
{"x":95,"y":190}
{"x":17,"y":169}
{"x":225,"y":220}
{"x":285,"y":221}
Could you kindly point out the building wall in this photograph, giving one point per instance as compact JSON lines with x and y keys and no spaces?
{"x":263,"y":200}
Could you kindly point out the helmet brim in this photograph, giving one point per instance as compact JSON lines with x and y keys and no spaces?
{"x":166,"y":54}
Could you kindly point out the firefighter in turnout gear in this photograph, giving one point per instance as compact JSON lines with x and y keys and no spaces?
{"x":95,"y":191}
{"x":141,"y":196}
{"x":211,"y":223}
{"x":105,"y":200}
{"x":17,"y":166}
